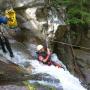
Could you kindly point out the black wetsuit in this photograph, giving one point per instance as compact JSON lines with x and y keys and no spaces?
{"x":4,"y":42}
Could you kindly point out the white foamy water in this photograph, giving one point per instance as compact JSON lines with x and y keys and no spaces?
{"x":67,"y":81}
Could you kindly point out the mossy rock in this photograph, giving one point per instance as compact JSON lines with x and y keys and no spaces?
{"x":42,"y":13}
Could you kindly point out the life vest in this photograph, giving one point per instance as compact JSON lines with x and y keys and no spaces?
{"x":49,"y":61}
{"x":11,"y":15}
{"x":44,"y":55}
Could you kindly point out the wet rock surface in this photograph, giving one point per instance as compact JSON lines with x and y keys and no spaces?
{"x":83,"y":60}
{"x":11,"y":72}
{"x":12,"y":87}
{"x":81,"y":56}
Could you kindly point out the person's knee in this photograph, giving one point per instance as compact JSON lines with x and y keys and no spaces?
{"x":6,"y":40}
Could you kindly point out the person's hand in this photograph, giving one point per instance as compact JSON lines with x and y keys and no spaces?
{"x":44,"y":60}
{"x":40,"y":58}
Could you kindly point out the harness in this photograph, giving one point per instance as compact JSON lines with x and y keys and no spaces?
{"x":44,"y":55}
{"x":49,"y":61}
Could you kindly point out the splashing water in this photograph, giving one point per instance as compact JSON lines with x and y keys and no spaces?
{"x":67,"y":81}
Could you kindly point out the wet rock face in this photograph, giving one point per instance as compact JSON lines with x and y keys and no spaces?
{"x":83,"y":60}
{"x":18,"y":3}
{"x":82,"y":57}
{"x":42,"y":13}
{"x":60,"y":32}
{"x":10,"y":72}
{"x":59,"y":48}
{"x":12,"y":87}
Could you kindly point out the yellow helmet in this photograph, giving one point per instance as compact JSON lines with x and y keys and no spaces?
{"x":39,"y":47}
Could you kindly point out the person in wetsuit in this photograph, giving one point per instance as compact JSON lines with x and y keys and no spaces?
{"x":4,"y":42}
{"x":44,"y":56}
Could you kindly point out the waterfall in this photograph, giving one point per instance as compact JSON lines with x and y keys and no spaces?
{"x":66,"y":80}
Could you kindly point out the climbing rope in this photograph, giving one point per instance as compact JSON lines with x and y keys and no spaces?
{"x":67,"y":44}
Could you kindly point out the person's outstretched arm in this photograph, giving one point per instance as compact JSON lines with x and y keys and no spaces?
{"x":48,"y":55}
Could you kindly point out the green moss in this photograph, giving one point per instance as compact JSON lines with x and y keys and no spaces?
{"x":36,"y":86}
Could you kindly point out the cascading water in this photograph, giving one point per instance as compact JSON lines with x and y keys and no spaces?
{"x":66,"y":80}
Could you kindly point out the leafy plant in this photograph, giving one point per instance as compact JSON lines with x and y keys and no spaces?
{"x":77,"y":10}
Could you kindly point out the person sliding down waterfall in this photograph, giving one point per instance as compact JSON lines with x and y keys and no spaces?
{"x":44,"y":55}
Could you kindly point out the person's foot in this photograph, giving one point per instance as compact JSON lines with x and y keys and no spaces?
{"x":4,"y":51}
{"x":11,"y":55}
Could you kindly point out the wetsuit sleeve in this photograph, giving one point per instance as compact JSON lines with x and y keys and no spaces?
{"x":48,"y":54}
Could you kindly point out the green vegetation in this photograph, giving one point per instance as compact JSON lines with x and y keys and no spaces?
{"x":78,"y":11}
{"x":77,"y":16}
{"x":37,"y":86}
